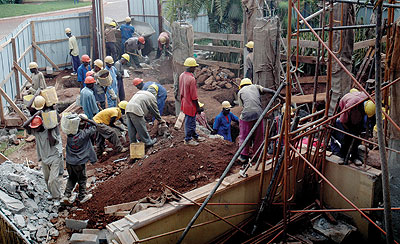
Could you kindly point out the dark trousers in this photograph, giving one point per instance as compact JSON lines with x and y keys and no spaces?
{"x":111,"y":134}
{"x":346,"y":140}
{"x":75,"y":63}
{"x":76,"y":174}
{"x":190,"y":128}
{"x":111,"y":50}
{"x":121,"y":89}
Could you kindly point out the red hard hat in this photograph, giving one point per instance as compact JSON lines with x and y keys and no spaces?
{"x":90,"y":80}
{"x":36,"y":122}
{"x":142,"y":40}
{"x":89,"y":73}
{"x":137,"y":81}
{"x":85,"y":58}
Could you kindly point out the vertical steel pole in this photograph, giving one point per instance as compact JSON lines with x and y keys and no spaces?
{"x":329,"y":73}
{"x":379,"y":124}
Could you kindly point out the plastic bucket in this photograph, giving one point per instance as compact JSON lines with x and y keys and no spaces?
{"x":50,"y":95}
{"x":104,"y":77}
{"x":27,"y":99}
{"x":137,"y":150}
{"x":50,"y":120}
{"x":70,"y":123}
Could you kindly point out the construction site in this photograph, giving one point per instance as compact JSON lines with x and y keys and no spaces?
{"x":296,"y":187}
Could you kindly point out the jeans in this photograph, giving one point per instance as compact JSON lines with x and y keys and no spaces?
{"x":257,"y":138}
{"x":190,"y":128}
{"x":76,"y":174}
{"x":137,"y":125}
{"x":75,"y":63}
{"x":76,"y":1}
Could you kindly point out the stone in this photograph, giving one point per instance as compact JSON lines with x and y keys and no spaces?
{"x":33,"y":218}
{"x":13,"y":140}
{"x":6,"y":212}
{"x":74,"y":224}
{"x":11,"y":186}
{"x":27,"y":234}
{"x":30,"y":138}
{"x":43,"y":215}
{"x":14,"y":205}
{"x":31,"y":227}
{"x":20,"y":220}
{"x":13,"y":131}
{"x":336,"y":233}
{"x":192,"y":178}
{"x":14,"y":177}
{"x":53,"y":215}
{"x":228,"y":85}
{"x":77,"y":238}
{"x":41,"y":232}
{"x":53,"y":232}
{"x":31,"y":204}
{"x":23,"y":195}
{"x":4,"y":139}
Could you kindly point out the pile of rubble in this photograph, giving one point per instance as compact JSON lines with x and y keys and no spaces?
{"x":9,"y":136}
{"x":214,"y":77}
{"x":23,"y":199}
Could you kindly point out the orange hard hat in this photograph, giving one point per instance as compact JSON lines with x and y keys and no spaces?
{"x":89,"y":73}
{"x":141,"y":40}
{"x":90,"y":80}
{"x":85,"y":58}
{"x":137,"y":81}
{"x":36,"y":122}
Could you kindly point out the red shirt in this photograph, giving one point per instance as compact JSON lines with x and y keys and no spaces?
{"x":353,"y":116}
{"x":188,"y":91}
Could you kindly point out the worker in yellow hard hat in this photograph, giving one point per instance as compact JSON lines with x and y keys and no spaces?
{"x":354,"y":121}
{"x":120,"y":65}
{"x":111,"y":40}
{"x":38,"y":81}
{"x":249,"y":60}
{"x":222,"y":123}
{"x":73,"y":51}
{"x":127,"y":31}
{"x":112,"y":91}
{"x":163,"y":44}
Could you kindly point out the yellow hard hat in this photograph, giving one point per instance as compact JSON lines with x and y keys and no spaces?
{"x":354,"y":90}
{"x":113,"y":24}
{"x":245,"y":81}
{"x":67,"y":30}
{"x":128,"y":19}
{"x":33,"y":65}
{"x":39,"y":103}
{"x":155,"y":87}
{"x":126,"y":56}
{"x":122,"y":104}
{"x":190,"y":62}
{"x":200,"y":104}
{"x":292,"y":108}
{"x":163,"y":40}
{"x":109,"y":60}
{"x":369,"y":108}
{"x":99,"y":63}
{"x":226,"y":104}
{"x":250,"y":44}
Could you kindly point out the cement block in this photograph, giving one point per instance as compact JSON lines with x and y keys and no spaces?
{"x":14,"y":205}
{"x":77,"y":238}
{"x":75,"y":224}
{"x":101,"y":234}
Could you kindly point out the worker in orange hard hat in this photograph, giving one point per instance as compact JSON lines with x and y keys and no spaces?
{"x":160,"y":91}
{"x":50,"y":153}
{"x":87,"y":98}
{"x":133,"y":47}
{"x":163,"y":44}
{"x":83,"y":69}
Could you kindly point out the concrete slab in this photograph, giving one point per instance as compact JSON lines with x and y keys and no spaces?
{"x":77,"y":238}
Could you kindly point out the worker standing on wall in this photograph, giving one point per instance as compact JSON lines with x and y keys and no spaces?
{"x":38,"y":81}
{"x":73,"y":50}
{"x":133,"y":47}
{"x":222,"y":123}
{"x":189,"y":102}
{"x":87,"y":99}
{"x":353,"y":122}
{"x":163,"y":44}
{"x":83,"y":69}
{"x":119,"y":65}
{"x":127,"y":31}
{"x":161,"y":92}
{"x":109,"y":34}
{"x":249,"y":60}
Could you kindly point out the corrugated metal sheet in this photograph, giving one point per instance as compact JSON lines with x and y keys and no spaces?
{"x":46,"y":29}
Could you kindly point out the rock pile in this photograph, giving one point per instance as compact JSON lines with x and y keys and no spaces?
{"x":214,"y":77}
{"x":9,"y":136}
{"x":23,"y":199}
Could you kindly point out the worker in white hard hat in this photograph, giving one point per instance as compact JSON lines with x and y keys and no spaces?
{"x":222,"y":123}
{"x":189,"y":102}
{"x":98,"y":90}
{"x":163,"y":44}
{"x":38,"y":81}
{"x":73,"y":51}
{"x":120,"y":65}
{"x":112,"y":91}
{"x":127,"y":31}
{"x":109,"y":36}
{"x":249,"y":61}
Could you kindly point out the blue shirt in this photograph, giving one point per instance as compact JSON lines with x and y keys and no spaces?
{"x":161,"y":94}
{"x":82,"y":73}
{"x":126,"y":32}
{"x":222,"y":124}
{"x":113,"y":73}
{"x":88,"y":102}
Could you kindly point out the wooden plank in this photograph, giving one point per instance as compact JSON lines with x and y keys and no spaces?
{"x":220,"y":49}
{"x":33,"y":40}
{"x":303,"y":43}
{"x":15,"y":58}
{"x":5,"y":44}
{"x":367,"y":43}
{"x":22,"y":29}
{"x":2,"y":120}
{"x":73,"y":17}
{"x":61,"y":40}
{"x":218,"y":63}
{"x":3,"y":158}
{"x":11,"y":102}
{"x":119,"y":207}
{"x":23,"y":72}
{"x":308,"y":98}
{"x":302,"y":59}
{"x":45,"y":56}
{"x":7,"y":78}
{"x":25,"y":52}
{"x":218,"y":36}
{"x":310,"y":79}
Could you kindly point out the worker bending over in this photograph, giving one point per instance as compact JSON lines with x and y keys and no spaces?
{"x":222,"y":123}
{"x":161,"y":92}
{"x":354,"y":122}
{"x":163,"y":44}
{"x":133,"y":47}
{"x":87,"y":99}
{"x":38,"y":81}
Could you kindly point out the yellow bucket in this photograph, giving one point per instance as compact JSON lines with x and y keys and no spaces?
{"x":27,"y":99}
{"x":137,"y":150}
{"x":50,"y":120}
{"x":50,"y":95}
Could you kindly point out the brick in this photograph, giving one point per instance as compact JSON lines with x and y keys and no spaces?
{"x":74,"y":224}
{"x":78,"y":238}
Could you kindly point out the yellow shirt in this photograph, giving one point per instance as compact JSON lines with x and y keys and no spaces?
{"x":73,"y":44}
{"x":104,"y":116}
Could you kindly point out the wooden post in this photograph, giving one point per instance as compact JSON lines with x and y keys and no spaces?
{"x":33,"y":40}
{"x":15,"y":58}
{"x":160,"y":20}
{"x":13,"y":105}
{"x":2,"y":121}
